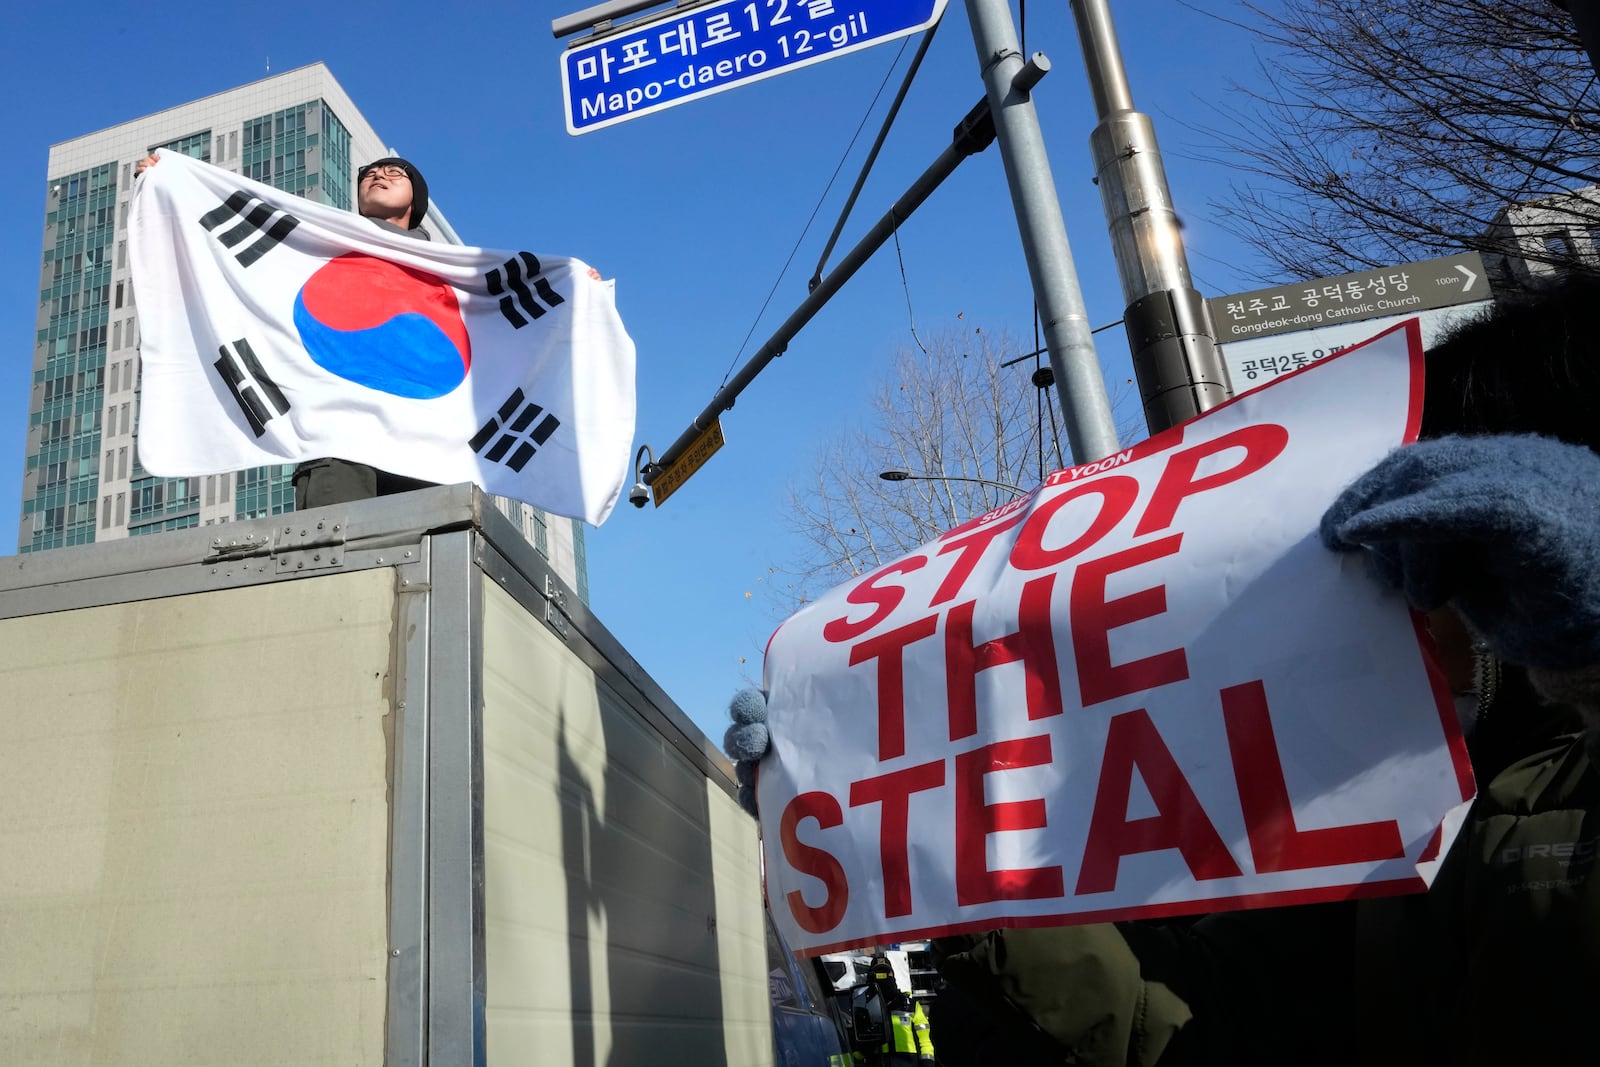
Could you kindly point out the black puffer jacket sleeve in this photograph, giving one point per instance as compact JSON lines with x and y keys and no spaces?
{"x":1238,"y":988}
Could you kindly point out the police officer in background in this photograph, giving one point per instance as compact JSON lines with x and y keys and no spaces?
{"x":886,"y":1031}
{"x":919,"y":1024}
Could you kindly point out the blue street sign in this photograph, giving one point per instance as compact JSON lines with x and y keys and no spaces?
{"x":719,"y":46}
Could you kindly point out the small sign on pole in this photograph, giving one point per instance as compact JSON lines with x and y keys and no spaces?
{"x":1369,"y":294}
{"x":694,"y":457}
{"x":1266,"y":333}
{"x":719,"y":46}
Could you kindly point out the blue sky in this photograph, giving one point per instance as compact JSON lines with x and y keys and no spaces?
{"x":693,"y":210}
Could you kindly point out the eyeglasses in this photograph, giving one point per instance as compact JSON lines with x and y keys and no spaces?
{"x":391,"y":173}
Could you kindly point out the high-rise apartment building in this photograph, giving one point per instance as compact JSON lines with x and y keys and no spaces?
{"x":297,"y":131}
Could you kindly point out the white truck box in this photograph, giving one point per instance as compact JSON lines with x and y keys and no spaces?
{"x":359,"y":785}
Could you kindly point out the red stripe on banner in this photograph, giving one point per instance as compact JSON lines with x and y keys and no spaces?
{"x":1444,"y":702}
{"x":1246,"y":902}
{"x":1430,"y":851}
{"x":1413,"y":329}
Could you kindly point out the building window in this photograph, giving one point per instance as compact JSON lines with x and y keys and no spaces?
{"x":1558,"y":244}
{"x":196,"y":145}
{"x":122,"y":462}
{"x":580,"y":559}
{"x":541,"y":537}
{"x":265,"y":491}
{"x":336,"y":163}
{"x":120,"y":497}
{"x":105,"y":513}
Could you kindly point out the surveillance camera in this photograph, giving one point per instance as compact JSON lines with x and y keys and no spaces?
{"x":639,"y":496}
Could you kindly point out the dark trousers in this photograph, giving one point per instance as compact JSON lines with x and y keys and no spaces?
{"x":338,"y":481}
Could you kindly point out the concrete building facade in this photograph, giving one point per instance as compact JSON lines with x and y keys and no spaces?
{"x":1535,"y":241}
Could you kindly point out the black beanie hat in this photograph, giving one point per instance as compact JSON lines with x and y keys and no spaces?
{"x":419,"y":186}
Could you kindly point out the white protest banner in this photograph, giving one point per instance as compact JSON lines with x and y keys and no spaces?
{"x":1144,"y":689}
{"x":275,"y":329}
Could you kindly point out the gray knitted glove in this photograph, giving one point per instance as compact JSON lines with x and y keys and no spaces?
{"x":1505,"y":529}
{"x":746,"y":741}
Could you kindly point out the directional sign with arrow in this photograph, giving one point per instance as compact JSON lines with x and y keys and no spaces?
{"x":1271,"y":332}
{"x":1370,"y":294}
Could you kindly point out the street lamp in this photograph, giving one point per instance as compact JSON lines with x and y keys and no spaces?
{"x":908,"y":476}
{"x":1175,"y":355}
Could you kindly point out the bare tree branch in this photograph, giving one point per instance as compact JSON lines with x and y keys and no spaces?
{"x":1388,"y":130}
{"x":952,"y":413}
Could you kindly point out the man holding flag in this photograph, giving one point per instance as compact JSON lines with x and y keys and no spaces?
{"x":394,"y":195}
{"x":337,"y":339}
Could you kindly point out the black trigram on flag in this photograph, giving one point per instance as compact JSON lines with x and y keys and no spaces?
{"x":273,"y":225}
{"x":247,"y":380}
{"x":516,"y":274}
{"x":511,"y":423}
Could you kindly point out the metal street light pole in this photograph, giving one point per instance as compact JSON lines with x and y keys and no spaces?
{"x":908,"y":476}
{"x":1174,"y":346}
{"x":1091,"y":432}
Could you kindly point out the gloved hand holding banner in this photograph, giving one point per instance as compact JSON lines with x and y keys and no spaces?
{"x":1144,"y":689}
{"x":275,"y":329}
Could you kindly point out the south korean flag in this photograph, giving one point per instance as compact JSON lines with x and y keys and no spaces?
{"x":274,"y":330}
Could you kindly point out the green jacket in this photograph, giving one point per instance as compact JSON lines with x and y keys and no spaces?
{"x":1498,"y":963}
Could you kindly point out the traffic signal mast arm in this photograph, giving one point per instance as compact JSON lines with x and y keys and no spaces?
{"x":972,"y":135}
